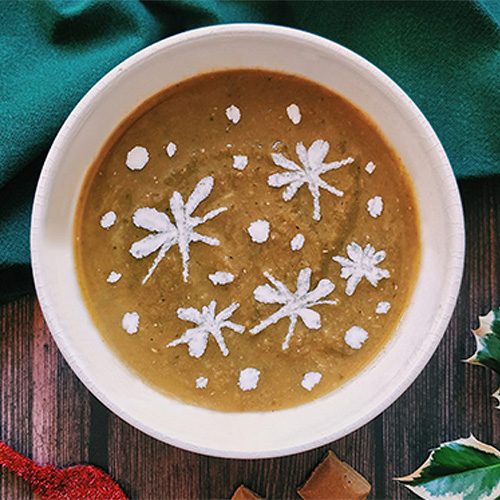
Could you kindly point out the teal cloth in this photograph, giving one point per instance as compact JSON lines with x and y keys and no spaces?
{"x":445,"y":55}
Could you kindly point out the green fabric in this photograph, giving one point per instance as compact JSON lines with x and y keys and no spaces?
{"x":445,"y":55}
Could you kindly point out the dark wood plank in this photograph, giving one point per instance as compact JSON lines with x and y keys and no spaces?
{"x":45,"y":412}
{"x":45,"y":408}
{"x":15,"y":387}
{"x":60,"y":404}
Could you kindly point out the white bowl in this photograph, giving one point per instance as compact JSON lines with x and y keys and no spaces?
{"x":259,"y":434}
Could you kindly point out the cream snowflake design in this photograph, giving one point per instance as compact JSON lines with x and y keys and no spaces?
{"x":362,"y":263}
{"x":207,"y":323}
{"x":313,"y":166}
{"x":294,"y":305}
{"x":165,"y":234}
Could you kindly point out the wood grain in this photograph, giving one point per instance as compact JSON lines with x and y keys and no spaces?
{"x":46,"y":413}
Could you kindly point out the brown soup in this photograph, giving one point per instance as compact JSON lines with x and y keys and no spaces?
{"x":247,"y":240}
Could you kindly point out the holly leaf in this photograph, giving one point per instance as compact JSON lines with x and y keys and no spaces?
{"x":465,"y":469}
{"x":487,"y":341}
{"x":488,"y":344}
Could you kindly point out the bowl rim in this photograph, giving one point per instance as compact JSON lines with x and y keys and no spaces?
{"x":454,"y":207}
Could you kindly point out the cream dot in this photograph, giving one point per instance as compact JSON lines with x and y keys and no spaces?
{"x":137,"y":158}
{"x":297,"y":242}
{"x":221,"y":278}
{"x":383,"y":307}
{"x":240,"y":162}
{"x":201,"y":382}
{"x":293,"y":112}
{"x":233,"y":114}
{"x":171,"y":149}
{"x":113,"y":277}
{"x":108,"y":219}
{"x":355,"y":337}
{"x":310,"y":380}
{"x":249,"y":378}
{"x":130,"y":322}
{"x":375,"y":206}
{"x":259,"y":231}
{"x":370,"y":167}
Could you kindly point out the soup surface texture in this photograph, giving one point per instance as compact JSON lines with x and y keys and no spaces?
{"x":247,"y":240}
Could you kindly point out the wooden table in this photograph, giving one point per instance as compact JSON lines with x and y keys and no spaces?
{"x":47,"y":414}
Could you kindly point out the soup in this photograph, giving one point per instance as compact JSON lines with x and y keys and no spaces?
{"x":247,"y":240}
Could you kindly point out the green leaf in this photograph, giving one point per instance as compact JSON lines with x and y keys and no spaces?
{"x":487,"y":341}
{"x":465,"y":469}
